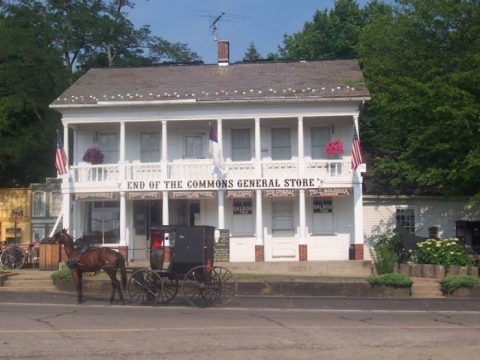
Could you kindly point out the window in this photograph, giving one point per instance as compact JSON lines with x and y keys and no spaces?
{"x":103,"y":221}
{"x":282,"y":213}
{"x":320,"y":137}
{"x":56,"y":201}
{"x":38,"y":233}
{"x":38,"y":203}
{"x":241,"y":145}
{"x":405,"y":218}
{"x":150,"y":147}
{"x":242,"y":220}
{"x":281,"y":148}
{"x":108,"y":144}
{"x":323,"y":216}
{"x":194,"y":146}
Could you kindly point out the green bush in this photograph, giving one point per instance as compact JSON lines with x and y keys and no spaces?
{"x":388,"y":250}
{"x":392,"y":279}
{"x":442,"y":252}
{"x":453,"y":282}
{"x":63,"y":274}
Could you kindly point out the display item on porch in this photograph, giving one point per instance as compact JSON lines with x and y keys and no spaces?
{"x":93,"y":155}
{"x":334,"y":147}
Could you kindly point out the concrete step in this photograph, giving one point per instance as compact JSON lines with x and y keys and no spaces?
{"x":28,"y":283}
{"x":426,"y":288}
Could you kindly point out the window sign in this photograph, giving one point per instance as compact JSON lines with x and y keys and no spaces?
{"x":322,"y":206}
{"x":242,"y":206}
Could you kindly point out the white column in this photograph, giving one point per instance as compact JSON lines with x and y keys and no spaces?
{"x":258,"y":149}
{"x":66,"y":211}
{"x":302,"y":238}
{"x":165,"y":219}
{"x":123,"y":219}
{"x":301,"y":159}
{"x":164,"y":150}
{"x":122,"y":141}
{"x":65,"y":142}
{"x":358,"y":196}
{"x":221,"y":209}
{"x":259,"y":218}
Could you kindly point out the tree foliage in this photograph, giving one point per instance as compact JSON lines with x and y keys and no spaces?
{"x":422,"y":65}
{"x":252,"y":54}
{"x":45,"y":46}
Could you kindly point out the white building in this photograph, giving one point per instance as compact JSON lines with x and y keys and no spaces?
{"x":282,"y":198}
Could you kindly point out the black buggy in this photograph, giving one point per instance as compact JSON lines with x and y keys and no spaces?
{"x":191,"y":267}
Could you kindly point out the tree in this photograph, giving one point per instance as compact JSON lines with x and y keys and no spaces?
{"x":30,"y":76}
{"x":422,"y":67}
{"x":252,"y":55}
{"x":330,"y":35}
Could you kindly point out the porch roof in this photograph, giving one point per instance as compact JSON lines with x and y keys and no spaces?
{"x":265,"y":81}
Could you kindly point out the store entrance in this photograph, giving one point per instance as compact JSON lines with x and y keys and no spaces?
{"x":185,"y":212}
{"x":147,"y":213}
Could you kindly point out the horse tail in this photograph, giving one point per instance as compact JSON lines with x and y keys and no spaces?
{"x":123,"y":270}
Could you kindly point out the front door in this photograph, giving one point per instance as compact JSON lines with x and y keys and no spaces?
{"x":185,"y":212}
{"x":283,"y":230}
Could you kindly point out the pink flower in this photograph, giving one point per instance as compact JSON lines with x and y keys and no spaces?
{"x":93,"y":155}
{"x":334,"y":147}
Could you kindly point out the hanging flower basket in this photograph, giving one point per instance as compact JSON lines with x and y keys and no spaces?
{"x":93,"y":156}
{"x":334,"y":147}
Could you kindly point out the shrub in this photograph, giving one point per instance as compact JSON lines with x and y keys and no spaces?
{"x":442,"y":252}
{"x":391,"y":279}
{"x":63,"y":274}
{"x":453,"y":282}
{"x":388,"y":250}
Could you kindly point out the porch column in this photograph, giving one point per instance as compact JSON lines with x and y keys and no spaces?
{"x":302,"y":238}
{"x":122,"y":141}
{"x":66,"y":211}
{"x":221,"y":193}
{"x":123,"y":218}
{"x":358,"y":244}
{"x":164,"y":151}
{"x":258,"y":149}
{"x":165,"y":219}
{"x":259,"y":245}
{"x":65,"y":143}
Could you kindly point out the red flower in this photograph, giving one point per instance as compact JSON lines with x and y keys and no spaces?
{"x":93,"y":156}
{"x":334,"y":147}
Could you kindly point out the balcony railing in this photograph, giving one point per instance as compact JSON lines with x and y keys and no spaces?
{"x":202,"y":169}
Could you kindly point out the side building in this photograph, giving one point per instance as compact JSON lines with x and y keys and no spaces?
{"x":15,"y":213}
{"x":145,"y":139}
{"x":46,"y":207}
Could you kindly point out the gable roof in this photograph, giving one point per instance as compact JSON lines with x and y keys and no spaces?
{"x":265,"y":81}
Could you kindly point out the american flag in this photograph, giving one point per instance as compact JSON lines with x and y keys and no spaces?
{"x":356,"y":153}
{"x":60,"y":157}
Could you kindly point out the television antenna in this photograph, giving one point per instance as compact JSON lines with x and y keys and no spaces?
{"x":214,"y":19}
{"x":214,"y":26}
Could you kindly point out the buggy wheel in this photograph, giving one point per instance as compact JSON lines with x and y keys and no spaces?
{"x":145,"y":287}
{"x":201,"y":286}
{"x":228,"y":285}
{"x":170,"y":289}
{"x":12,"y":258}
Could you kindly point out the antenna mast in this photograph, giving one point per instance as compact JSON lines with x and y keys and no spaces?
{"x":214,"y":26}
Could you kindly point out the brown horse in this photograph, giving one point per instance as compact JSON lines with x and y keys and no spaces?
{"x":93,"y":259}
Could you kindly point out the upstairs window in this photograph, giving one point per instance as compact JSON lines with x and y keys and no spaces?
{"x":38,"y":204}
{"x":320,"y":137}
{"x":56,"y":200}
{"x":108,"y":144}
{"x":150,"y":147}
{"x":241,"y":150}
{"x":194,"y":146}
{"x":281,"y":145}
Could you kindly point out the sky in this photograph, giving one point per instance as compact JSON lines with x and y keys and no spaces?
{"x":263,"y":22}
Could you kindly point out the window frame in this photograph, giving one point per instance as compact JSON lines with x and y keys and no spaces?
{"x":408,"y":220}
{"x":153,"y":152}
{"x":247,"y":147}
{"x":43,"y":211}
{"x":202,"y":145}
{"x":320,"y":146}
{"x":52,"y":202}
{"x":273,"y":146}
{"x":110,"y":155}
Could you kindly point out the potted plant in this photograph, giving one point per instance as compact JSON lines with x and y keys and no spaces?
{"x":93,"y":155}
{"x":334,"y":147}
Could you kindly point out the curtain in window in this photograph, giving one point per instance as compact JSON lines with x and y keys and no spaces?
{"x":150,"y":147}
{"x":241,"y":145}
{"x":320,"y":137}
{"x":193,"y":147}
{"x":108,"y":144}
{"x":281,"y":147}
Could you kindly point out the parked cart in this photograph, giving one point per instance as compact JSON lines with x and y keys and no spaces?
{"x":191,"y":267}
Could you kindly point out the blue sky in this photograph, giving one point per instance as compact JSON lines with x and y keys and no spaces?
{"x":262,"y":21}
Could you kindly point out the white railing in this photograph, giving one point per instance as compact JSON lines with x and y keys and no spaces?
{"x":95,"y":173}
{"x":143,"y":171}
{"x":327,"y":168}
{"x":202,"y":169}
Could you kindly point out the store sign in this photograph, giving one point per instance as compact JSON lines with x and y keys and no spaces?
{"x":222,"y":246}
{"x":279,"y":193}
{"x":144,"y":195}
{"x":228,"y":184}
{"x":329,"y":192}
{"x":100,"y":196}
{"x":242,"y":207}
{"x":239,"y":194}
{"x":191,"y":194}
{"x":322,"y":206}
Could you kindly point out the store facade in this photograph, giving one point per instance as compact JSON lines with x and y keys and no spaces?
{"x":279,"y":194}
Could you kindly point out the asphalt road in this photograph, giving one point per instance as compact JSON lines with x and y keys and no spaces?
{"x":53,"y":326}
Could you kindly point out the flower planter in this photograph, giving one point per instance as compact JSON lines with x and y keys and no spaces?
{"x":466,"y":292}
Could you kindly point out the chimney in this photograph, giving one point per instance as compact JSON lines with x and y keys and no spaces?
{"x":223,"y":52}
